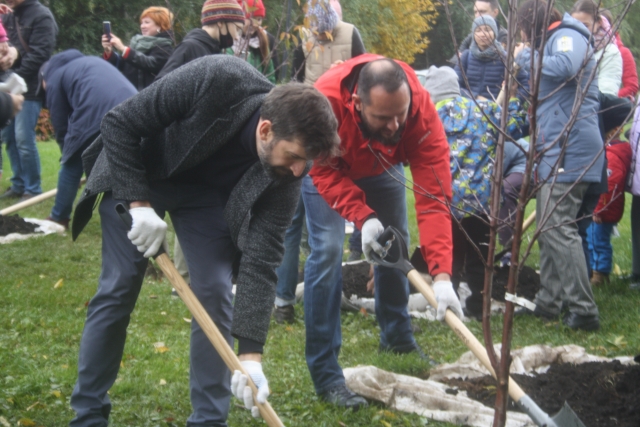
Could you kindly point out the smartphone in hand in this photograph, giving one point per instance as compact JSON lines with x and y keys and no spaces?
{"x":106,"y":29}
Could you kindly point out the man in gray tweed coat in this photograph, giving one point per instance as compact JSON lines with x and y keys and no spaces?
{"x":222,"y":151}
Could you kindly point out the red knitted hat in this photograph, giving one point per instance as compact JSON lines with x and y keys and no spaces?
{"x":221,"y":11}
{"x":255,"y":9}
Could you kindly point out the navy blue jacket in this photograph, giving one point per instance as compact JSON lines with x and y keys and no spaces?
{"x":486,"y":76}
{"x":80,"y":91}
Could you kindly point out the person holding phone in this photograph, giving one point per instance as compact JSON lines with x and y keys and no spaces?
{"x":147,"y":53}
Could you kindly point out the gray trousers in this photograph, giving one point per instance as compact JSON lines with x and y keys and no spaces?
{"x":563,"y":270}
{"x":197,"y":217}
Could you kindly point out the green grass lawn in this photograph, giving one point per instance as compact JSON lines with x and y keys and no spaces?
{"x":40,"y":329}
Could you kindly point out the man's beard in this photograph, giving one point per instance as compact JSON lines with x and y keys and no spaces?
{"x":265,"y":153}
{"x":368,"y":133}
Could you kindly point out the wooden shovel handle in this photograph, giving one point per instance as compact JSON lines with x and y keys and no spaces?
{"x":463,"y":332}
{"x":33,"y":201}
{"x":213,"y":333}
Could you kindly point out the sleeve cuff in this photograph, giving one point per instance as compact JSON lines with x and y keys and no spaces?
{"x":106,"y":55}
{"x":126,"y":52}
{"x":247,"y":345}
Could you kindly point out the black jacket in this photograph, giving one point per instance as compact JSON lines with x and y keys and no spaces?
{"x":80,"y":91}
{"x":142,"y":68}
{"x":39,"y":30}
{"x":197,"y":43}
{"x":176,"y":124}
{"x":6,"y":109}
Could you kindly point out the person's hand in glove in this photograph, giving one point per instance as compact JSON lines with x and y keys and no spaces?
{"x":371,"y":230}
{"x":447,"y":298}
{"x":242,"y":391}
{"x":147,"y":231}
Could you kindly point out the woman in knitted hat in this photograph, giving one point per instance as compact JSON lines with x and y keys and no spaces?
{"x":258,"y":46}
{"x":483,"y":64}
{"x":222,"y":23}
{"x":147,"y":52}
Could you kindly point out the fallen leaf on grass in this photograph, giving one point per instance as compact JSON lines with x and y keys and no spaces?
{"x":160,"y":347}
{"x":163,"y":382}
{"x":364,"y":312}
{"x":153,"y":296}
{"x":164,"y":313}
{"x":58,"y":284}
{"x":4,"y":422}
{"x":26,"y":422}
{"x":34,"y":405}
{"x":57,"y":393}
{"x":288,"y":328}
{"x":186,"y":320}
{"x":384,"y":423}
{"x":42,"y":276}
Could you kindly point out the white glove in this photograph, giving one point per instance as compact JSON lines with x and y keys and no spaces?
{"x":147,"y":231}
{"x":242,"y":391}
{"x":447,"y":298}
{"x":371,"y":230}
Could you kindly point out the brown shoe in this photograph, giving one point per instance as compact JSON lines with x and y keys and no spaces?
{"x":599,"y":279}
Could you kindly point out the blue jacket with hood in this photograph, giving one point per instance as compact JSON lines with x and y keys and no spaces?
{"x":80,"y":90}
{"x":569,"y":153}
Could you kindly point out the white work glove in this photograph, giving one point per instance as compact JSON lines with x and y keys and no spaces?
{"x":242,"y":391}
{"x":147,"y":231}
{"x":446,"y":298}
{"x":371,"y":230}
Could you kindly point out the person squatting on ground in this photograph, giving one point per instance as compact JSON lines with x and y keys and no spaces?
{"x":386,"y":118}
{"x":222,"y":22}
{"x":74,"y":83}
{"x":32,"y":31}
{"x":609,"y":211}
{"x":308,"y":66}
{"x":222,"y":151}
{"x":472,"y":142}
{"x":257,"y":46}
{"x":147,"y":52}
{"x":571,"y":159}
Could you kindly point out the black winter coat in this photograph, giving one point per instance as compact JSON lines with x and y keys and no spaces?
{"x":196,"y":44}
{"x":80,"y":91}
{"x":140,"y":68}
{"x":176,"y":124}
{"x":39,"y":30}
{"x":6,"y":109}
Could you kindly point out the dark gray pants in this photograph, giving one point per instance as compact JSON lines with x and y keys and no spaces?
{"x":197,"y":215}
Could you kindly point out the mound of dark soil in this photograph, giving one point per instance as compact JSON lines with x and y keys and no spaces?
{"x":354,"y":280}
{"x":15,"y":224}
{"x":601,"y":394}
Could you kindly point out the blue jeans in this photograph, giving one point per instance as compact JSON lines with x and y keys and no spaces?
{"x":599,"y":238}
{"x":288,"y":270}
{"x":587,"y":207}
{"x":323,"y":277}
{"x":20,"y":137}
{"x":68,"y":181}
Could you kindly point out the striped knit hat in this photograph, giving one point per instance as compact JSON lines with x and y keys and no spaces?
{"x":221,"y":11}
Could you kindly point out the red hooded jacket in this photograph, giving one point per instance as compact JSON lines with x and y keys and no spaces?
{"x":423,"y":145}
{"x":611,"y":205}
{"x":629,"y":87}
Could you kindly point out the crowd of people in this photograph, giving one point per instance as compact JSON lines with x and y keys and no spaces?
{"x":200,"y":131}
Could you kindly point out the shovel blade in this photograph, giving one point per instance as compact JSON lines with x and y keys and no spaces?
{"x":567,"y":418}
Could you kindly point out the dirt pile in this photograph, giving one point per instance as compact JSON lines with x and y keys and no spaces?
{"x":601,"y":394}
{"x":15,"y":224}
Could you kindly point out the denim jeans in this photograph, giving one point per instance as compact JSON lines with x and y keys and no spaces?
{"x":599,"y":238}
{"x":585,"y":212}
{"x":20,"y":137}
{"x":288,"y":270}
{"x":68,"y":181}
{"x":323,"y":277}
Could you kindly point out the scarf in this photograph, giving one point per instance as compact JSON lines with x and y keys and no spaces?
{"x":492,"y":52}
{"x":144,"y":44}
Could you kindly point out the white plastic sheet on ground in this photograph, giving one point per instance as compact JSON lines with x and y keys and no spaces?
{"x":429,"y":398}
{"x":44,"y":227}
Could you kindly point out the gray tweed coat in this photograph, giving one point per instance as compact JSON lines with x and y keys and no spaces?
{"x":171,"y":126}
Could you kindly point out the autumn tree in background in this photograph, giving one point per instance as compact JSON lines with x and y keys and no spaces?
{"x":393,"y":28}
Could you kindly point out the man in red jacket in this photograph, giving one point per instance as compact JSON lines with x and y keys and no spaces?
{"x":385,"y":119}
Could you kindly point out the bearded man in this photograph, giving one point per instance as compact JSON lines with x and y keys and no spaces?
{"x":385,"y":119}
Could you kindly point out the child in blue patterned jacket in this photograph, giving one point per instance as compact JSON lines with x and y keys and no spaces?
{"x":473,"y":138}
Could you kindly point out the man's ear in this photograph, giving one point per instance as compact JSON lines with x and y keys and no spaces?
{"x":264,"y":129}
{"x":357,"y":102}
